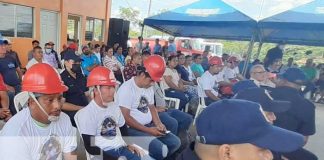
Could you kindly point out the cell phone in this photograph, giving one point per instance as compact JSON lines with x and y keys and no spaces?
{"x":167,"y":132}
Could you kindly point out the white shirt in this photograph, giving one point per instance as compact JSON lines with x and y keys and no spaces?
{"x":103,"y":123}
{"x":98,"y":56}
{"x":191,"y":75}
{"x":208,"y":82}
{"x":175,"y":78}
{"x":230,"y":73}
{"x":33,"y":61}
{"x":136,"y":99}
{"x":22,"y":138}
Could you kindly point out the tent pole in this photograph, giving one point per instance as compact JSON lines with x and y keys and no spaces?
{"x":259,"y":50}
{"x":248,"y":57}
{"x":142,"y":30}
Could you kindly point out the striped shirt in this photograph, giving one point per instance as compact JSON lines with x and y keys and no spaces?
{"x":111,"y":63}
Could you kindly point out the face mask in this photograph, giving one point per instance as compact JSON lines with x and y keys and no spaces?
{"x":76,"y":68}
{"x":48,"y":50}
{"x":49,"y":118}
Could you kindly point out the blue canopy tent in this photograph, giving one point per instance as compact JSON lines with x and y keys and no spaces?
{"x":303,"y":25}
{"x":204,"y":19}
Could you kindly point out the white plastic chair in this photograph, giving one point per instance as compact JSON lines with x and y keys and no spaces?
{"x":122,"y":72}
{"x":20,"y":100}
{"x":201,"y":105}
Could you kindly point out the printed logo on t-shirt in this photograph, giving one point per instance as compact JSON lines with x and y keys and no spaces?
{"x":11,"y":65}
{"x":143,"y":105}
{"x":108,"y":128}
{"x":51,"y":149}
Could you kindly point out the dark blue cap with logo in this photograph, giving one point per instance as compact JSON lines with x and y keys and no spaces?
{"x":234,"y":121}
{"x":70,"y":55}
{"x":241,"y":85}
{"x":261,"y":96}
{"x":294,"y":75}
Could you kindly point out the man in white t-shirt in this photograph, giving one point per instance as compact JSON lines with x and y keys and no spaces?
{"x":231,"y":70}
{"x":136,"y":100}
{"x":208,"y":81}
{"x":37,"y":57}
{"x":40,"y":131}
{"x":101,"y":119}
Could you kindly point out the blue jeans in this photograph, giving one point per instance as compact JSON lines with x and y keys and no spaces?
{"x":122,"y":152}
{"x":175,"y":120}
{"x":177,"y":94}
{"x":208,"y":101}
{"x":158,"y":147}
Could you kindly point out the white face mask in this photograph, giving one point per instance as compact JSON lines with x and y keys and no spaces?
{"x":48,"y":50}
{"x":49,"y":118}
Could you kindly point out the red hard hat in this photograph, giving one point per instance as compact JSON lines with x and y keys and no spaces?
{"x":215,"y":61}
{"x":101,"y":76}
{"x":232,"y":59}
{"x":155,"y":66}
{"x":42,"y":78}
{"x":227,"y":90}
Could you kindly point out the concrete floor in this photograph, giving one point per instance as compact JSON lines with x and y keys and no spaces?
{"x":316,"y":142}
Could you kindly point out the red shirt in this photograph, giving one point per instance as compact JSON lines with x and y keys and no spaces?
{"x":2,"y":85}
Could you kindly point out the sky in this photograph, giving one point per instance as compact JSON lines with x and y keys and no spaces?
{"x":143,"y":5}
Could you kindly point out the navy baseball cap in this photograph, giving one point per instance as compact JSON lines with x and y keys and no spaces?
{"x":68,"y":55}
{"x":261,"y":96}
{"x":294,"y":75}
{"x":234,"y":121}
{"x":241,"y":85}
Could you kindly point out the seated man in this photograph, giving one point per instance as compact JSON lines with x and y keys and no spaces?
{"x":136,"y":100}
{"x":261,"y":77}
{"x":40,"y":131}
{"x":101,"y":119}
{"x":231,"y":70}
{"x":209,"y":79}
{"x":238,"y":130}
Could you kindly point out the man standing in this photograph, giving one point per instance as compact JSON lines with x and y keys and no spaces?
{"x":96,"y":52}
{"x":101,"y":119}
{"x":157,"y":47}
{"x":238,"y":130}
{"x":51,"y":56}
{"x":73,"y":78}
{"x":273,"y":54}
{"x":89,"y":61}
{"x":11,"y":73}
{"x":12,"y":53}
{"x":35,"y":43}
{"x":300,"y":117}
{"x":139,"y":45}
{"x":40,"y":131}
{"x":136,"y":100}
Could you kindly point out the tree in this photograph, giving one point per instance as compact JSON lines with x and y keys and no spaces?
{"x":131,"y":15}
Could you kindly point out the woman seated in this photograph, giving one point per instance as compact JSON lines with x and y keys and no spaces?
{"x":111,"y":62}
{"x":130,"y":69}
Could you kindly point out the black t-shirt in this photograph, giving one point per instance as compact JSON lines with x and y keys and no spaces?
{"x":75,"y":94}
{"x":300,"y":117}
{"x":189,"y":153}
{"x":8,"y":67}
